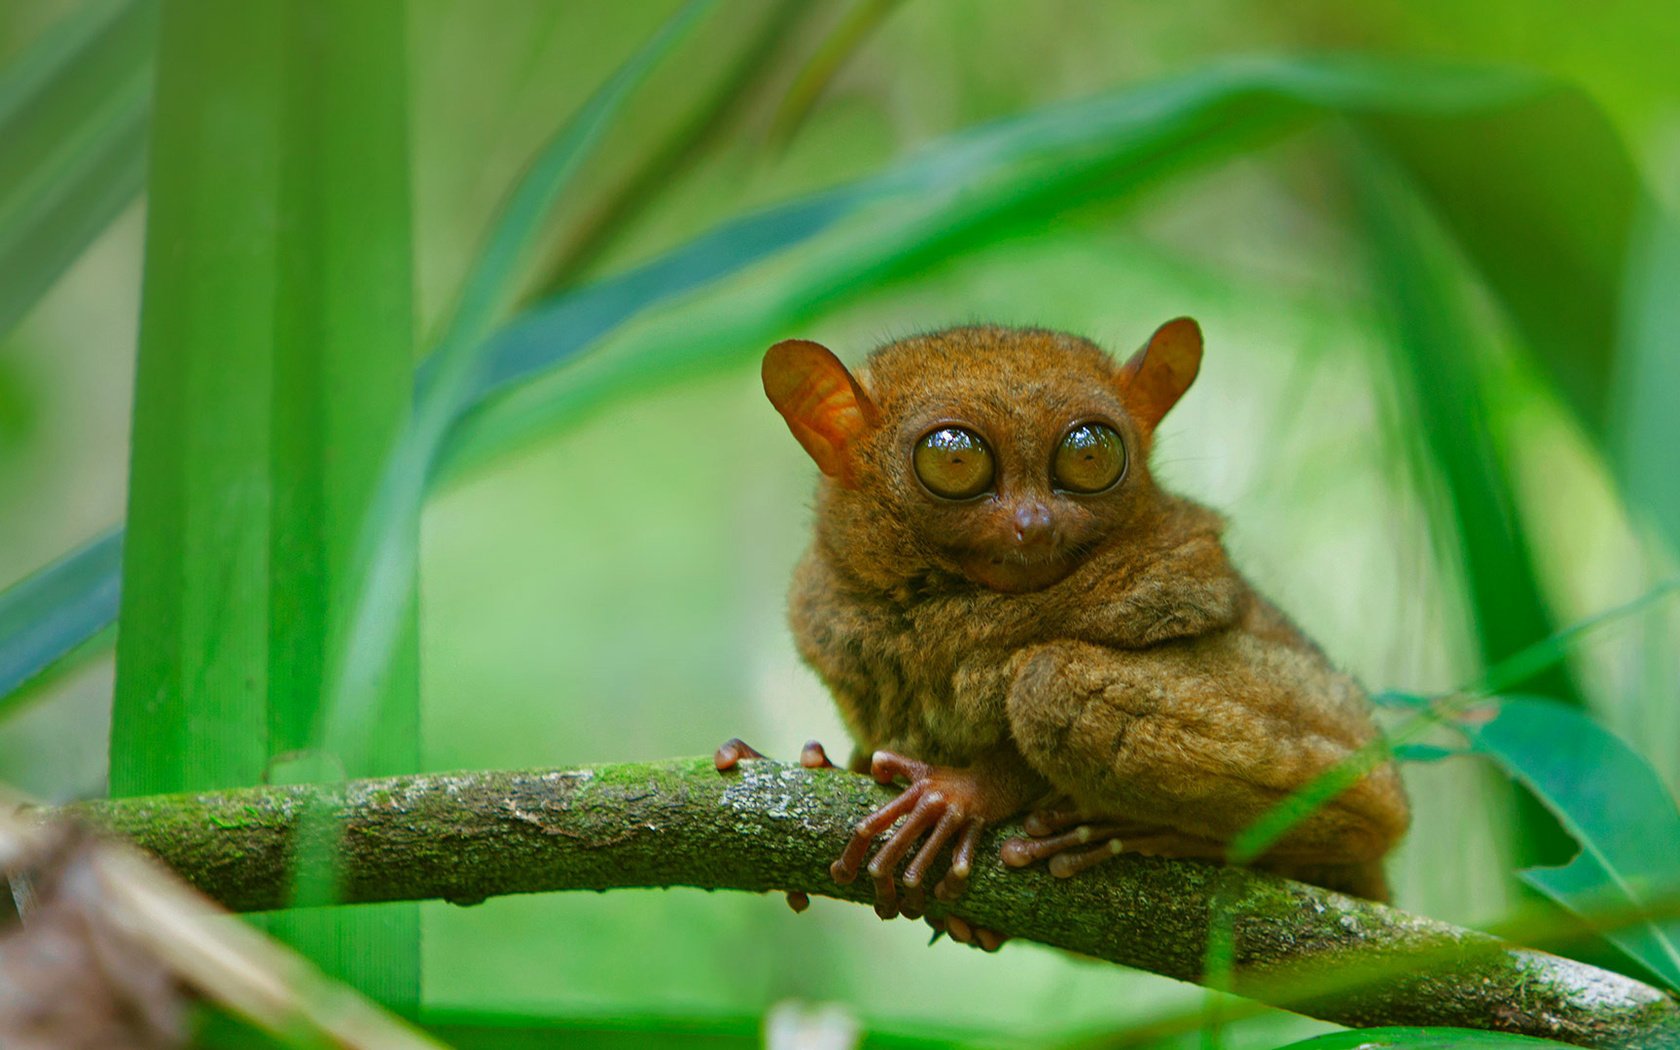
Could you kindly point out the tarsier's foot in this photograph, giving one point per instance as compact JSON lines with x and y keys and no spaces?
{"x":963,"y":932}
{"x":811,"y":756}
{"x":945,"y":805}
{"x":1074,"y":842}
{"x":735,"y":750}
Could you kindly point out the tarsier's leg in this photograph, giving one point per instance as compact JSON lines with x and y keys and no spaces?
{"x":811,"y":756}
{"x":1184,"y":745}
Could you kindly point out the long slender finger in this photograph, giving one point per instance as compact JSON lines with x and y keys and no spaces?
{"x":959,"y":930}
{"x":1019,"y":852}
{"x":845,"y":869}
{"x":1068,"y":864}
{"x":988,"y":940}
{"x":913,"y":902}
{"x":732,"y":752}
{"x":885,"y":766}
{"x":955,"y":881}
{"x":814,"y":757}
{"x":885,"y":861}
{"x":931,"y":848}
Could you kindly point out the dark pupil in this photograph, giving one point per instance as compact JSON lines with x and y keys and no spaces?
{"x":1090,"y":458}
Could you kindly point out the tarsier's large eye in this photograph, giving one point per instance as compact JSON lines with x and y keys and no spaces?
{"x":1091,"y":458}
{"x":954,"y":463}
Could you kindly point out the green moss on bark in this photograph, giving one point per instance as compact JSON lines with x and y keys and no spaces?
{"x":768,"y":826}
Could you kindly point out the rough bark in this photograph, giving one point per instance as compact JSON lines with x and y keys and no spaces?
{"x":463,"y":837}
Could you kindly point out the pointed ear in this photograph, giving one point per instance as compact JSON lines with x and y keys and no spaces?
{"x":1159,"y":374}
{"x":824,"y":406}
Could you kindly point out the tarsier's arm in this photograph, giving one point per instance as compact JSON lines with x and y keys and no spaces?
{"x":1204,"y":736}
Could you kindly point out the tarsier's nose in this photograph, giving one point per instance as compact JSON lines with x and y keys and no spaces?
{"x":1032,"y":525}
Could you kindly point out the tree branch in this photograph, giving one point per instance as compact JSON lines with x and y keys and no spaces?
{"x":463,"y":837}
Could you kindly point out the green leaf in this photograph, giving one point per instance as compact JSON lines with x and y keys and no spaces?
{"x":48,"y":615}
{"x":1551,"y":239}
{"x":1612,"y":803}
{"x":274,"y":375}
{"x":976,"y":186}
{"x":1645,"y":429}
{"x":381,"y":580}
{"x":73,"y":116}
{"x":1441,"y":377}
{"x":1422,"y":1039}
{"x":969,"y":187}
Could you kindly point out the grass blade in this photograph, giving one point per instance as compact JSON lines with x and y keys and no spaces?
{"x":1422,"y":1039}
{"x":274,"y":376}
{"x":381,"y":576}
{"x":1441,"y":379}
{"x":73,"y":116}
{"x":47,"y":616}
{"x":967,"y":188}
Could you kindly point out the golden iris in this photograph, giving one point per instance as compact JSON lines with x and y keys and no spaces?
{"x":954,"y":463}
{"x":1091,"y":458}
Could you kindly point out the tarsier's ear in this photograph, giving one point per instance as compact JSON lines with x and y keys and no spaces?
{"x":1159,"y":374}
{"x":824,"y":406}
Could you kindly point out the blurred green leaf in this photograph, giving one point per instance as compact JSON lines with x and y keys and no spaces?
{"x":1645,"y":428}
{"x":45,"y":617}
{"x":975,"y":186}
{"x":73,"y":116}
{"x":1611,"y":802}
{"x":1551,"y":237}
{"x":274,"y":375}
{"x":1421,"y":1039}
{"x":1440,"y":375}
{"x":380,"y":577}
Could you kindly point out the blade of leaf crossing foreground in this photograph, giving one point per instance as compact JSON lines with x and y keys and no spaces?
{"x":1422,"y":1039}
{"x":969,"y":179}
{"x":274,"y":374}
{"x":1440,"y":379}
{"x":73,"y":116}
{"x":1611,"y":802}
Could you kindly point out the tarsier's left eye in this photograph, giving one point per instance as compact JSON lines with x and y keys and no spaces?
{"x":1090,"y":458}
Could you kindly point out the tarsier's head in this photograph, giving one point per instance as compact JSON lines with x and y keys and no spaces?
{"x":1001,"y":455}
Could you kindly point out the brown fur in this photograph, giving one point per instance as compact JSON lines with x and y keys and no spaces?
{"x":1148,"y":682}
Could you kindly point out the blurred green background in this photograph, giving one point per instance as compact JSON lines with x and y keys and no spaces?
{"x":608,"y":582}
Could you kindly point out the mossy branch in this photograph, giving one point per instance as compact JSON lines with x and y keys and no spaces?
{"x":463,"y":837}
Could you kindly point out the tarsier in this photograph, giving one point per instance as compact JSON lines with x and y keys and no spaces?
{"x":1015,"y":619}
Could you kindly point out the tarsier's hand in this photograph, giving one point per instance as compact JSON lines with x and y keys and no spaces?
{"x":943,"y":804}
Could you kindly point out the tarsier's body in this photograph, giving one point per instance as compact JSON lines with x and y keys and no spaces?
{"x":1000,"y":597}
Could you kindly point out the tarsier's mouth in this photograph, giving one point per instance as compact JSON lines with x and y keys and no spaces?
{"x":1017,"y":573}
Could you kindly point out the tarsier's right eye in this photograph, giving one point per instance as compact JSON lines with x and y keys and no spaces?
{"x":954,"y":463}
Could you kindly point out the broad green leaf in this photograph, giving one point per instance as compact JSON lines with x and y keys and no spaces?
{"x":1422,"y":1039}
{"x":1611,"y":802}
{"x":274,"y":376}
{"x":73,"y":117}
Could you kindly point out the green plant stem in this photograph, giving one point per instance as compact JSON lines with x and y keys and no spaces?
{"x":464,"y":837}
